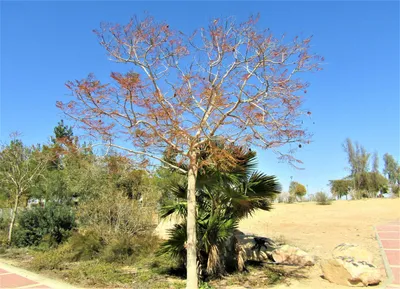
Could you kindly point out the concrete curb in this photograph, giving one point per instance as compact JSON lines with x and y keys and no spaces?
{"x":54,"y":284}
{"x":388,"y":270}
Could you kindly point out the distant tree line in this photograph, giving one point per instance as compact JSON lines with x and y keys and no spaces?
{"x":365,"y":179}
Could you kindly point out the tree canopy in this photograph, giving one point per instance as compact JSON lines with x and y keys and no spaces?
{"x":392,"y":171}
{"x":297,"y":190}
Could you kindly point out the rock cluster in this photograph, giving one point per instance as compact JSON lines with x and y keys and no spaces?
{"x":292,"y":256}
{"x":351,"y":265}
{"x":263,"y":249}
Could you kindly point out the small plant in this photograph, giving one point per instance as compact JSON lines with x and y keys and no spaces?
{"x":205,"y":285}
{"x":322,"y":199}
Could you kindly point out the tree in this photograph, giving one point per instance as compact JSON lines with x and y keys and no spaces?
{"x":358,"y":159}
{"x":71,"y":171}
{"x":392,"y":171}
{"x":63,"y":133}
{"x":377,"y":183}
{"x":20,"y":167}
{"x":297,"y":190}
{"x":63,"y":141}
{"x":375,"y":162}
{"x":365,"y":182}
{"x":227,"y":81}
{"x":340,"y":188}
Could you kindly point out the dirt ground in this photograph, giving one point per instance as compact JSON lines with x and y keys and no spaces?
{"x":318,"y":229}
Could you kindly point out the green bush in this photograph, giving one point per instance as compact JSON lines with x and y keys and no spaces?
{"x":79,"y":247}
{"x":118,"y":250}
{"x":124,"y":249}
{"x":85,"y":246}
{"x":322,"y":199}
{"x":54,"y":220}
{"x":4,"y":222}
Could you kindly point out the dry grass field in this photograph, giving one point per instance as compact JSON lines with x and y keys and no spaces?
{"x":318,"y":229}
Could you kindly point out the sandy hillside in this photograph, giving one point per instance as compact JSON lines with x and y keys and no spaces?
{"x":318,"y":229}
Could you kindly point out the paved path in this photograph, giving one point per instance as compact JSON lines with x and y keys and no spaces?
{"x":13,"y":277}
{"x":389,"y":237}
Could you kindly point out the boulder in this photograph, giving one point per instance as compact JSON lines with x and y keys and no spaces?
{"x":292,"y":256}
{"x":353,"y":251}
{"x":350,"y":272}
{"x":250,"y":249}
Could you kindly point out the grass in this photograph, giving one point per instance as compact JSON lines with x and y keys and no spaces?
{"x":158,"y":272}
{"x":144,"y":272}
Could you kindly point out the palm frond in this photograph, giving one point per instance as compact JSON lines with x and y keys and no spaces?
{"x":175,"y":245}
{"x":262,"y":185}
{"x":177,"y":208}
{"x":179,"y":190}
{"x":255,"y":193}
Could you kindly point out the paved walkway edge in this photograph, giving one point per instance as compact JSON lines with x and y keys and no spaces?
{"x":55,"y":284}
{"x":390,"y":278}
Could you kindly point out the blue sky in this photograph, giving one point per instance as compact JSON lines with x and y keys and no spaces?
{"x":44,"y":44}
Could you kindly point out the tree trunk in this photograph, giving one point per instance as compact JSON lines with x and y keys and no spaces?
{"x":191,"y":264}
{"x":13,"y":215}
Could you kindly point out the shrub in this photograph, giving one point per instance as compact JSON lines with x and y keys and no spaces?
{"x":81,"y":246}
{"x":4,"y":222}
{"x":114,"y":214}
{"x":322,"y":199}
{"x":49,"y":260}
{"x":85,"y":246}
{"x":291,"y":199}
{"x":130,"y":249}
{"x":118,"y":250}
{"x":54,"y":220}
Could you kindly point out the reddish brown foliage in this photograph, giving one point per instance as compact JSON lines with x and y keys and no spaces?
{"x":227,"y":80}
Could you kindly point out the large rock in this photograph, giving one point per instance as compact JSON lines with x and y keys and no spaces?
{"x":292,"y":256}
{"x":353,"y":251}
{"x":350,"y":272}
{"x":250,"y":250}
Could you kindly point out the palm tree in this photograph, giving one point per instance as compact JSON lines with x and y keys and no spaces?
{"x":224,"y":195}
